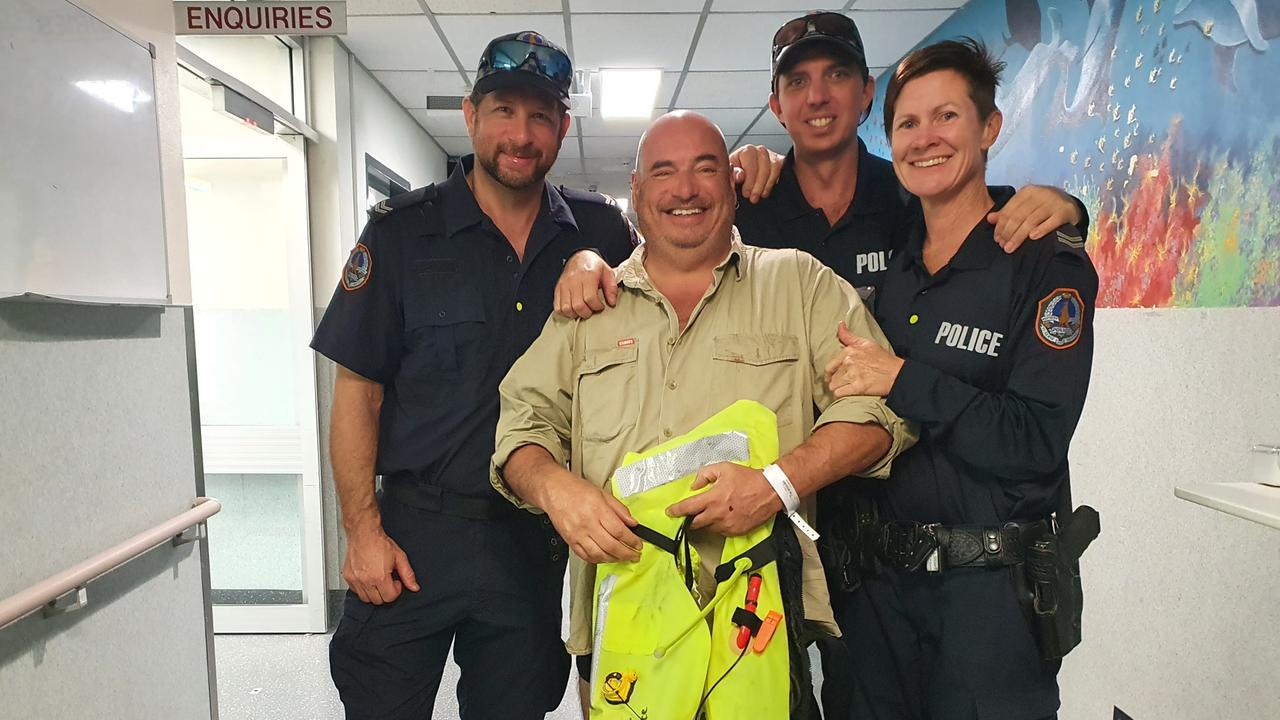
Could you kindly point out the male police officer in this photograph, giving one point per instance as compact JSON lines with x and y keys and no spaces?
{"x":447,"y":286}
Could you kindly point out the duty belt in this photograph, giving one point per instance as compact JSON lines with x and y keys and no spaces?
{"x":909,"y":546}
{"x":408,"y":490}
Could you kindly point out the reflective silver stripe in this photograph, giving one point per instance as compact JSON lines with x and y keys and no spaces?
{"x":602,"y":611}
{"x":677,"y":462}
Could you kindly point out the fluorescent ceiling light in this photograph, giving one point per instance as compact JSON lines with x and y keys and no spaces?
{"x":119,"y":94}
{"x":628,"y":93}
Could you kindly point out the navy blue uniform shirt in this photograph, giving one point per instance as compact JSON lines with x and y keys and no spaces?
{"x":435,"y":305}
{"x":998,"y":352}
{"x":859,"y":246}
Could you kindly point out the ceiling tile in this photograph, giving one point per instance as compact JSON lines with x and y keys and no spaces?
{"x":598,"y":127}
{"x":905,"y":5}
{"x":408,"y":86}
{"x":441,"y":123}
{"x":402,"y":42}
{"x":776,"y":143}
{"x":622,"y":148}
{"x":382,"y":7}
{"x":733,"y":122}
{"x":455,"y":146}
{"x":411,"y":87}
{"x":794,"y":8}
{"x":468,"y":34}
{"x":725,"y":89}
{"x":486,"y":7}
{"x":630,"y":6}
{"x":768,"y":125}
{"x":888,"y":35}
{"x":752,"y":35}
{"x":596,"y":40}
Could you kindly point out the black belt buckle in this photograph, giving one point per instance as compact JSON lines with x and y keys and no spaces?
{"x":911,"y":546}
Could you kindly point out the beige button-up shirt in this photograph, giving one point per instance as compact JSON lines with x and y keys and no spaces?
{"x":628,"y":378}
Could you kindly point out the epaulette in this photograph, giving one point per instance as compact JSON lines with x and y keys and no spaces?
{"x":587,"y":196}
{"x":1069,"y":237}
{"x":413,"y":198}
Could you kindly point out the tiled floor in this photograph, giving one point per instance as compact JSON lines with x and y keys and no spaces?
{"x":286,"y":677}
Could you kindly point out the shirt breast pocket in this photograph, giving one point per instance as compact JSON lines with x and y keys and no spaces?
{"x":444,"y":321}
{"x":607,"y":387}
{"x":760,"y":367}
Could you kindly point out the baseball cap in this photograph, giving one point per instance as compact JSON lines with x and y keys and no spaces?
{"x":837,"y":31}
{"x":526,"y":59}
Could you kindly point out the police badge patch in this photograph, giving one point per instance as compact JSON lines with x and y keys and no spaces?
{"x":1060,"y":319}
{"x":358,"y":268}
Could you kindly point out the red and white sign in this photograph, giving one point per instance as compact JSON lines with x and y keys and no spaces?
{"x":260,"y":18}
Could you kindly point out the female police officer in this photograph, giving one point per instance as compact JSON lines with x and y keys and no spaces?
{"x":993,"y":354}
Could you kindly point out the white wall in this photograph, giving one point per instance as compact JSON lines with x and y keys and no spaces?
{"x":385,"y":130}
{"x":1182,"y":603}
{"x":353,"y":116}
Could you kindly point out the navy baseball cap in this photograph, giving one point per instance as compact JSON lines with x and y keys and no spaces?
{"x":838,"y":32}
{"x":525,"y":59}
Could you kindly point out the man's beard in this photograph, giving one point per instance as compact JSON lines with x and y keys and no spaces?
{"x":510,"y":180}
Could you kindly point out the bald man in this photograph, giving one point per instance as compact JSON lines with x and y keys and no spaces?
{"x":702,"y":321}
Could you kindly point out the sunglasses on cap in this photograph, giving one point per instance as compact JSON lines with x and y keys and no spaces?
{"x":528,"y":52}
{"x":831,"y":25}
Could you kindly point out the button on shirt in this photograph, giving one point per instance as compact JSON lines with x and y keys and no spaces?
{"x":446,"y":308}
{"x":998,"y":352}
{"x":628,"y":379}
{"x":860,"y":244}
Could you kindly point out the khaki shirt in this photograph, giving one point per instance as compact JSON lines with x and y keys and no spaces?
{"x":627,"y":379}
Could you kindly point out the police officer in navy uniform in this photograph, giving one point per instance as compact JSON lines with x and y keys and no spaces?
{"x":447,"y":286}
{"x":993,"y":358}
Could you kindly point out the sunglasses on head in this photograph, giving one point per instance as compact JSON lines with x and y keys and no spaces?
{"x":528,"y":53}
{"x":829,"y":24}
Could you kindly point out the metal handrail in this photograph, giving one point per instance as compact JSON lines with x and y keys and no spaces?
{"x":66,"y":590}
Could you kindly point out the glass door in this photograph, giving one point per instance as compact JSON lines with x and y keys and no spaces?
{"x":251,"y":289}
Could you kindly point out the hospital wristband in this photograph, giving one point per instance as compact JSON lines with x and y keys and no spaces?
{"x":781,"y":484}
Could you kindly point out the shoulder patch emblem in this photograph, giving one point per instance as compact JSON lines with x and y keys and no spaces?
{"x":1072,"y":241}
{"x":355,"y":274}
{"x":1060,"y":319}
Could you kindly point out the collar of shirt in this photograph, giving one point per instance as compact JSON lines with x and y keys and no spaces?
{"x":462,"y":211}
{"x":633,"y":274}
{"x":875,"y":191}
{"x":979,"y":248}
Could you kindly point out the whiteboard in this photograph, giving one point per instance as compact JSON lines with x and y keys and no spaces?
{"x":81,"y":203}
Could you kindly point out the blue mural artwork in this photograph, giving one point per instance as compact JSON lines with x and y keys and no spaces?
{"x":1164,"y":117}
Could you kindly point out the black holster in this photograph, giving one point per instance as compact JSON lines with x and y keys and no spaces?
{"x":1052,"y":595}
{"x":849,"y":521}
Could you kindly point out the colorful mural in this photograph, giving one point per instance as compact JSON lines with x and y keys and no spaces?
{"x":1164,"y":117}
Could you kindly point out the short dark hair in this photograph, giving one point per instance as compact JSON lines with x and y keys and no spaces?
{"x":800,"y":54}
{"x":966,"y":56}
